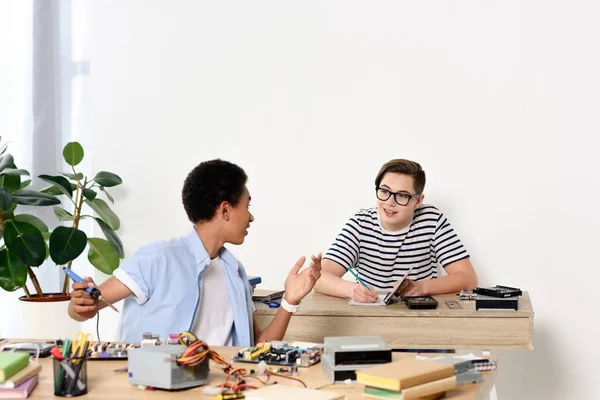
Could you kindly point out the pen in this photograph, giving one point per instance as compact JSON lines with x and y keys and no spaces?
{"x":357,"y":278}
{"x":94,"y":292}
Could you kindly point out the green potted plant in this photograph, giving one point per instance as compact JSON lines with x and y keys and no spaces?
{"x":23,"y":236}
{"x":27,"y":240}
{"x":67,"y":243}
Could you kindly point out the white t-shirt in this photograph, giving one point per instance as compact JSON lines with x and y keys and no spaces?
{"x":215,"y":317}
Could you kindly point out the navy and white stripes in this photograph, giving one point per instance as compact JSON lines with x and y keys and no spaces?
{"x":381,"y":258}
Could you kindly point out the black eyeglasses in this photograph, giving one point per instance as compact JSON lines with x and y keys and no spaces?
{"x":401,"y":198}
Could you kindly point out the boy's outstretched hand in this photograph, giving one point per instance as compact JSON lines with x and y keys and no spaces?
{"x":298,"y":285}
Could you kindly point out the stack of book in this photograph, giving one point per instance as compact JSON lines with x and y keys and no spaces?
{"x":408,"y":379}
{"x":18,"y":376}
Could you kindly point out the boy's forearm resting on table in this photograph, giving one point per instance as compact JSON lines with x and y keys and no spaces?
{"x":451,"y":283}
{"x":333,"y":285}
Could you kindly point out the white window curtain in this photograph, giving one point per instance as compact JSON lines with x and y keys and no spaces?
{"x":44,"y":91}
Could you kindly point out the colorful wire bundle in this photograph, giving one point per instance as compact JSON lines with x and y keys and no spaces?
{"x":197,"y":351}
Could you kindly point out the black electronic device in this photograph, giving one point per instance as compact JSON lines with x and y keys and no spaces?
{"x":498,"y":291}
{"x":271,"y":296}
{"x":33,"y":348}
{"x":498,"y":303}
{"x":420,"y":302}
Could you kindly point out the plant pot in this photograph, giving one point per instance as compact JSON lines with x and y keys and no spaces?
{"x":47,"y":317}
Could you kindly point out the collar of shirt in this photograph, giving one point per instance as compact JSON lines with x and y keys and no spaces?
{"x":201,"y":256}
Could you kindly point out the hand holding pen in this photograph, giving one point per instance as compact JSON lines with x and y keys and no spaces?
{"x":362,"y":293}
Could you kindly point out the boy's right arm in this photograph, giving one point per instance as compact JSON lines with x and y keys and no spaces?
{"x":332,"y":284}
{"x":83,"y":306}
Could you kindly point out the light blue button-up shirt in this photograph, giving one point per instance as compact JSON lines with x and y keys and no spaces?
{"x":166,"y":281}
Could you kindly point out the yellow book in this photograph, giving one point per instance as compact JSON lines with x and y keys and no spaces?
{"x":430,"y":390}
{"x":403,"y":374}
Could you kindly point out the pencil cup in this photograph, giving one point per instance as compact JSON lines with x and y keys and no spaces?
{"x":70,"y":376}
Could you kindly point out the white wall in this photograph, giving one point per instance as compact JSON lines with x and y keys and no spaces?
{"x":497,"y":100}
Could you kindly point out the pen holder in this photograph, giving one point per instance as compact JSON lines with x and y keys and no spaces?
{"x":70,"y":376}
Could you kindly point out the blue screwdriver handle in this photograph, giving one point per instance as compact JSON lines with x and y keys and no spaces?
{"x":76,"y":278}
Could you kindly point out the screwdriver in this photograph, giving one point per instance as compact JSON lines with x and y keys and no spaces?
{"x":94,"y":292}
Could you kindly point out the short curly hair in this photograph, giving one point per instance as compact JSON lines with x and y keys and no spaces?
{"x":208,"y":185}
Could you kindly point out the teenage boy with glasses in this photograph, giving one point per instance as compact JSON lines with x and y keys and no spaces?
{"x":400,"y":237}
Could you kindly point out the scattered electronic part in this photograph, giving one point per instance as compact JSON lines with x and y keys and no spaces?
{"x":453,"y":304}
{"x":467,"y":295}
{"x":111,"y":350}
{"x":279,"y":353}
{"x":150,"y":339}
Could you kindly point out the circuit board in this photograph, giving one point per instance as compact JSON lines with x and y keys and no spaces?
{"x":279,"y":353}
{"x":111,"y":350}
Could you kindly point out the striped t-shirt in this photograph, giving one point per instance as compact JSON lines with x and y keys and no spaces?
{"x":381,"y":258}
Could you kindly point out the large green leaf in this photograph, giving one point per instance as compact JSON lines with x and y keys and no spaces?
{"x":54,"y":191}
{"x":26,"y":183}
{"x":107,"y":195}
{"x":59,"y":182}
{"x":11,"y":182}
{"x":33,"y":198}
{"x":33,"y":220}
{"x":14,"y":171}
{"x":73,"y":153}
{"x":105,"y":213}
{"x":74,"y":177}
{"x":107,"y":179}
{"x":4,"y":147}
{"x":89,"y":194}
{"x":25,"y":241}
{"x":102,"y":255}
{"x":66,"y":244}
{"x":13,"y":273}
{"x":5,"y":200}
{"x":62,"y":214}
{"x":6,"y":161}
{"x":112,"y":237}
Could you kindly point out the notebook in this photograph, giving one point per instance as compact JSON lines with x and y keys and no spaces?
{"x":20,"y":392}
{"x":287,"y":392}
{"x":11,"y":363}
{"x":32,"y":369}
{"x":403,"y":374}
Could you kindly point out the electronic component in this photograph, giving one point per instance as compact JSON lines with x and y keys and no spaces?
{"x":272,"y":296}
{"x":420,"y":302}
{"x":279,"y":353}
{"x":342,"y":372}
{"x":173,"y":338}
{"x":490,"y":302}
{"x":468,"y":377}
{"x":156,"y":366}
{"x":467,"y":295}
{"x":357,"y":350}
{"x":150,"y":339}
{"x":33,"y":348}
{"x":453,"y":304}
{"x":111,"y":350}
{"x":460,"y":365}
{"x":498,"y":291}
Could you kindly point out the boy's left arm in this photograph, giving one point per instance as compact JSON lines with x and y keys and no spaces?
{"x":297,"y":285}
{"x":461,"y":275}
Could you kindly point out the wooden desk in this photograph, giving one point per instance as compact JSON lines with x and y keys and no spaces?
{"x":104,"y":383}
{"x":443,"y":328}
